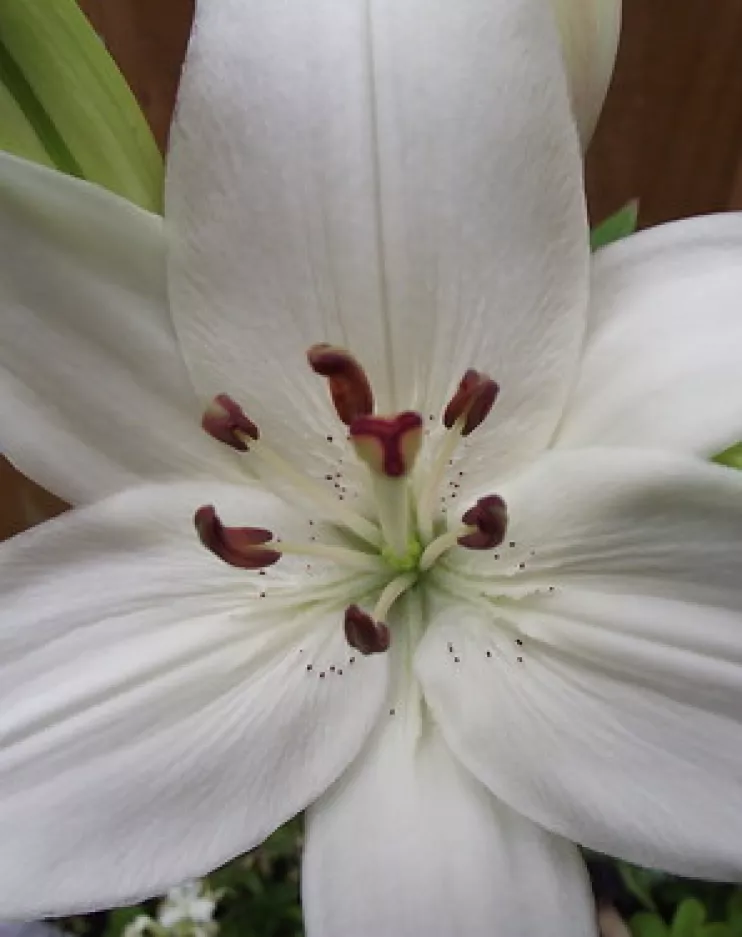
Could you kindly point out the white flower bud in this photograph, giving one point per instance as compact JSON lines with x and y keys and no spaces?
{"x":590,"y":31}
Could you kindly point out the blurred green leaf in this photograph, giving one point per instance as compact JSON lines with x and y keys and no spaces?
{"x":688,"y":919}
{"x":65,"y":103}
{"x":645,"y":924}
{"x":733,"y":458}
{"x":639,"y":882}
{"x":615,"y":228}
{"x":715,"y":930}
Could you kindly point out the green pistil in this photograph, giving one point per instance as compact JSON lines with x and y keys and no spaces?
{"x":408,"y":561}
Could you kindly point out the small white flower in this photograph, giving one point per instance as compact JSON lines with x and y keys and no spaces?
{"x":461,"y":630}
{"x":141,"y":926}
{"x":189,"y":902}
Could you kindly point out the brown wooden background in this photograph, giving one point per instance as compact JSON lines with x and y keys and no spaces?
{"x":671,"y":132}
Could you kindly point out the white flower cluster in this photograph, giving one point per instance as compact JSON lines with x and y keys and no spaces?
{"x":186,"y":911}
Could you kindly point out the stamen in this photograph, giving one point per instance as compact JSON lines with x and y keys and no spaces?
{"x":243,"y":547}
{"x":341,"y":556}
{"x":487,"y":522}
{"x":349,"y":386}
{"x":396,"y":588}
{"x":483,"y":528}
{"x":365,"y":634}
{"x":388,"y":445}
{"x":226,"y":421}
{"x":471,"y":404}
{"x":467,"y":409}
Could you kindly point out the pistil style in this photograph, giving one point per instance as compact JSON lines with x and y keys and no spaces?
{"x":389,"y":447}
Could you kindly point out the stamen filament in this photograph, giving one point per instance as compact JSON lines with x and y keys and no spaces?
{"x":396,"y":588}
{"x":436,"y":548}
{"x":392,"y":496}
{"x":434,"y":480}
{"x":353,"y":559}
{"x":278,"y":466}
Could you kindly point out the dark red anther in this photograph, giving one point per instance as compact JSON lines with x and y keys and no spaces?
{"x":243,"y":547}
{"x":388,"y":444}
{"x":472,"y":401}
{"x":365,"y":634}
{"x":225,"y":420}
{"x":349,"y":386}
{"x":489,"y":518}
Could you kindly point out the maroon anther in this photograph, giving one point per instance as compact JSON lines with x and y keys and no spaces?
{"x":473,"y":401}
{"x":388,"y":444}
{"x":365,"y":634}
{"x":225,"y":420}
{"x":489,"y":517}
{"x":238,"y":546}
{"x":349,"y":387}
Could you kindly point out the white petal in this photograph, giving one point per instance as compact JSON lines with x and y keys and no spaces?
{"x":400,"y":178}
{"x":662,"y":362}
{"x":93,"y":392}
{"x":158,"y":716}
{"x":610,"y":710}
{"x":408,"y":843}
{"x":590,"y":31}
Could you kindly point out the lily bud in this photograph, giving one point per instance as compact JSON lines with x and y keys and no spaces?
{"x":590,"y":31}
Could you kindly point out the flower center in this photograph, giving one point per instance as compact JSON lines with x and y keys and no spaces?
{"x":401,"y":533}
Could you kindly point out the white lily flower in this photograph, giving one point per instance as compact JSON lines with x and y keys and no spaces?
{"x":400,"y":181}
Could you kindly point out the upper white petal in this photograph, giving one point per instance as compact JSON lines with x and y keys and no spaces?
{"x":662,"y":362}
{"x":409,"y":843}
{"x":610,"y":710}
{"x":400,"y":178}
{"x":94,"y":395}
{"x":158,"y":716}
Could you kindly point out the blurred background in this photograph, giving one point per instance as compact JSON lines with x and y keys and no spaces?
{"x":670,"y":134}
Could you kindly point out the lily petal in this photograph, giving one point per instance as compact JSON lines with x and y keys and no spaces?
{"x":662,"y":361}
{"x":94,"y":395}
{"x":399,"y":178}
{"x":618,"y":697}
{"x":409,"y":843}
{"x":158,"y":716}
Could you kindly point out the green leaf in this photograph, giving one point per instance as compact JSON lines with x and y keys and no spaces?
{"x":16,"y":133}
{"x":645,"y":924}
{"x":639,"y":883}
{"x":618,"y":226}
{"x":73,"y":109}
{"x":733,"y":458}
{"x":689,"y":917}
{"x":716,"y":930}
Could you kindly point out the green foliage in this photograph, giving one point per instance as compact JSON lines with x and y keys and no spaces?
{"x":64,"y":103}
{"x":686,"y":909}
{"x":618,"y":226}
{"x":731,"y":457}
